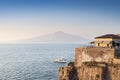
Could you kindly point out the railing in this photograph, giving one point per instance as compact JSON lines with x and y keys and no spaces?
{"x":92,"y":46}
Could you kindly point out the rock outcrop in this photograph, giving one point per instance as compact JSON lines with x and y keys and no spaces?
{"x":93,"y":64}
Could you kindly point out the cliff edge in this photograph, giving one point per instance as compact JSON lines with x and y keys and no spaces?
{"x":93,"y":64}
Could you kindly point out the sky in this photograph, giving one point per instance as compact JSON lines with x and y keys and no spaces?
{"x":23,"y":19}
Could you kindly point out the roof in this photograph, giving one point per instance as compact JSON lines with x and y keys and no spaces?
{"x":113,"y":36}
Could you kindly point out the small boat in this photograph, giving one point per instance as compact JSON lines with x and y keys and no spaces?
{"x":60,"y":60}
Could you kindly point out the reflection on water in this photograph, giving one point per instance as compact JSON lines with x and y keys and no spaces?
{"x":33,"y":61}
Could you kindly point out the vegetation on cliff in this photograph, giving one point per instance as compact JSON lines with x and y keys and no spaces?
{"x":71,"y":64}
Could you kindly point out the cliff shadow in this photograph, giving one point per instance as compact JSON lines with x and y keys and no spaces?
{"x":73,"y":74}
{"x":106,"y":73}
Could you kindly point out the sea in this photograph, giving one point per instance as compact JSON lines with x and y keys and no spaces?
{"x":33,"y":61}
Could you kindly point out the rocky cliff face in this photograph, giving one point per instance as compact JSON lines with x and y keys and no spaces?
{"x":68,"y":73}
{"x":114,"y":72}
{"x":91,"y":71}
{"x":93,"y":64}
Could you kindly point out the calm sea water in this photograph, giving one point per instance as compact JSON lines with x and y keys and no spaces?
{"x":33,"y":61}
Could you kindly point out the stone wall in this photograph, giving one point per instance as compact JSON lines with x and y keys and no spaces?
{"x":117,"y":53}
{"x":93,"y":54}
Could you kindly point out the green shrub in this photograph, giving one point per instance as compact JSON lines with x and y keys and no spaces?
{"x":71,"y":64}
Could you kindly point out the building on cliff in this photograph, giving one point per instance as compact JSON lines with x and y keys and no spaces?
{"x":101,"y":62}
{"x":108,"y":40}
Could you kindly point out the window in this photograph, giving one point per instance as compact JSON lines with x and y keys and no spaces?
{"x":98,"y":44}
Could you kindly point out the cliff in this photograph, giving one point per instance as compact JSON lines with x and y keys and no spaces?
{"x":91,"y":71}
{"x":93,"y":64}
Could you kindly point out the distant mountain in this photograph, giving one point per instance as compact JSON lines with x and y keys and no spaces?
{"x":58,"y":37}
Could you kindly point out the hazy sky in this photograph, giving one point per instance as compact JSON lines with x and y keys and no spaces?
{"x":20,"y":19}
